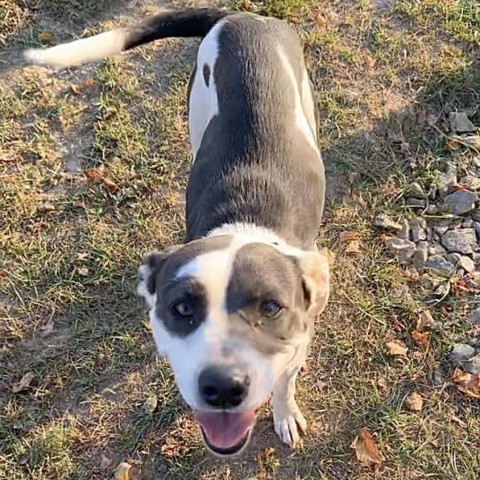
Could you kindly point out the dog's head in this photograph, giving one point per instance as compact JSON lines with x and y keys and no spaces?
{"x":230,"y":317}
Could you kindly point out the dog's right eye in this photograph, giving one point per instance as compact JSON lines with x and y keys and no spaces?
{"x":184,"y":309}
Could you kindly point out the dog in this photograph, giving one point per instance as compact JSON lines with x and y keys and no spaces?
{"x":233,"y":307}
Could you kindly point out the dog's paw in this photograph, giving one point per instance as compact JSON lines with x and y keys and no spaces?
{"x":289,"y":423}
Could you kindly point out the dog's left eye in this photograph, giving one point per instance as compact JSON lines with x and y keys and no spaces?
{"x":270,"y":308}
{"x":184,"y":309}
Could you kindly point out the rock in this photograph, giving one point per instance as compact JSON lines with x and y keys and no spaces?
{"x":467,"y":223}
{"x":472,"y":182}
{"x":402,"y":248}
{"x":476,"y":259}
{"x":460,"y":123}
{"x":438,"y":263}
{"x":460,"y":353}
{"x":442,"y":289}
{"x":416,"y":203}
{"x":432,"y":209}
{"x":404,"y":233}
{"x":461,"y":201}
{"x":453,"y":258}
{"x":418,"y":226}
{"x":416,"y":190}
{"x":474,"y":318}
{"x":473,"y":365}
{"x":420,"y":255}
{"x":466,"y":263}
{"x":447,"y":179}
{"x":384,"y":221}
{"x":441,"y":228}
{"x":476,"y":226}
{"x":436,"y":250}
{"x":476,"y":215}
{"x":463,"y":241}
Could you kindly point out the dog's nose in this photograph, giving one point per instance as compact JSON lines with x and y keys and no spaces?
{"x":222,"y":387}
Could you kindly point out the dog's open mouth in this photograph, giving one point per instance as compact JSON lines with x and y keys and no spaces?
{"x":226,"y":433}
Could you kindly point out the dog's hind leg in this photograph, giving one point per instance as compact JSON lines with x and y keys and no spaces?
{"x":288,"y":420}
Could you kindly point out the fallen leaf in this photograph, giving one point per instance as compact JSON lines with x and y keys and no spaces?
{"x":396,"y":348}
{"x":81,"y":86}
{"x":453,"y":144}
{"x":348,"y":236}
{"x":353,"y":248}
{"x":47,"y":329}
{"x":467,"y":383}
{"x":425,"y":321}
{"x":322,"y":20}
{"x":414,"y":402}
{"x":95,"y":175}
{"x":45,"y":37}
{"x":421,"y":339}
{"x":383,"y":237}
{"x":383,"y":384}
{"x":46,"y":207}
{"x":125,"y":471}
{"x":366,"y":450}
{"x":150,"y":405}
{"x":23,"y":383}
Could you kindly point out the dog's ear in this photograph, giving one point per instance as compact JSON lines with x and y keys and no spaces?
{"x":147,"y":274}
{"x":316,"y":277}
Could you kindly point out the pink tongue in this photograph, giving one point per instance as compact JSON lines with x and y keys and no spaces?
{"x":225,"y":429}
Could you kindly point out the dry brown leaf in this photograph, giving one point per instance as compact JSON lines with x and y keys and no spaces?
{"x":467,"y":383}
{"x":383,"y":237}
{"x":47,"y":329}
{"x":23,"y":383}
{"x":421,"y":339}
{"x":396,"y":348}
{"x":125,"y":471}
{"x":81,"y":86}
{"x":348,"y":236}
{"x":366,"y":450}
{"x":414,"y":402}
{"x":45,"y":37}
{"x":425,"y":321}
{"x":46,"y":207}
{"x":353,"y":248}
{"x":95,"y":175}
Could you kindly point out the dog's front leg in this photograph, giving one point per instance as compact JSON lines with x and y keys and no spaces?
{"x":288,"y":420}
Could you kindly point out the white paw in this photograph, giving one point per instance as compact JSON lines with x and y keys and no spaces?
{"x":289,"y":423}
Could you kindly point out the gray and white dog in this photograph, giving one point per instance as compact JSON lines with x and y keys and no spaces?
{"x":232,"y":309}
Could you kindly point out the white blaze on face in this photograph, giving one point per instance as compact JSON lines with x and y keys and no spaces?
{"x":212,"y":342}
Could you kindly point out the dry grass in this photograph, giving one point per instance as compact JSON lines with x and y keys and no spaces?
{"x":71,"y":246}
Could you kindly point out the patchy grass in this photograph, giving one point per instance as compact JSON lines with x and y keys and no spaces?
{"x":71,"y":247}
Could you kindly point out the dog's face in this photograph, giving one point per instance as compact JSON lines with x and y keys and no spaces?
{"x":230,"y":316}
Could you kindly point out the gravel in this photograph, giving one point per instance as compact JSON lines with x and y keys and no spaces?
{"x":461,"y":202}
{"x":463,"y":241}
{"x":461,"y":352}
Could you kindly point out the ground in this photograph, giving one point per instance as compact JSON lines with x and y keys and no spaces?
{"x":93,"y":164}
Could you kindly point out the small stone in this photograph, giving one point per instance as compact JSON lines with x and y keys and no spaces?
{"x":463,"y":241}
{"x":461,"y":201}
{"x":418,"y":226}
{"x":429,"y":234}
{"x":476,"y":259}
{"x":416,"y":190}
{"x":467,"y":223}
{"x":416,"y":202}
{"x":476,"y":226}
{"x":384,"y":221}
{"x":460,"y":353}
{"x":436,"y":250}
{"x":404,"y":233}
{"x":460,"y":123}
{"x":402,"y":248}
{"x":441,"y":228}
{"x":473,"y":365}
{"x":466,"y":263}
{"x":438,"y":263}
{"x":420,"y":255}
{"x":472,"y":182}
{"x":474,"y":318}
{"x":447,"y":179}
{"x":442,"y":289}
{"x":432,"y":209}
{"x":453,"y":258}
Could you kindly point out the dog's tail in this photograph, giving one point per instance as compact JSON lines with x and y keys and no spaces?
{"x":194,"y":22}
